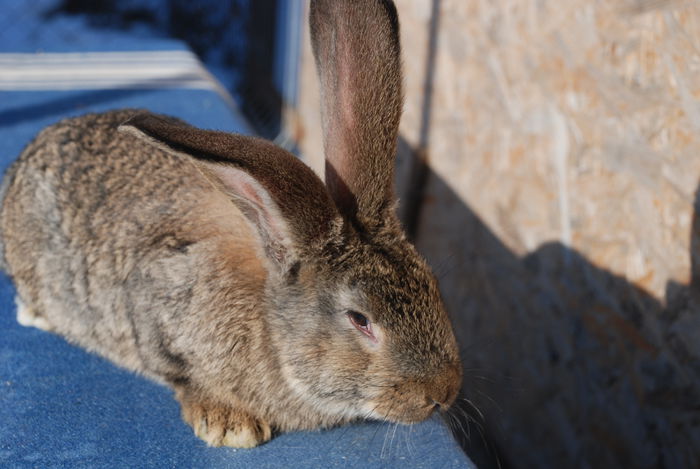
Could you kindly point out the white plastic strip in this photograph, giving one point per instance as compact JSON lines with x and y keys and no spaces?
{"x":110,"y":70}
{"x":104,"y":70}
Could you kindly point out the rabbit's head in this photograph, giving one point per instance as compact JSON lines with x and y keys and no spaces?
{"x":353,"y":311}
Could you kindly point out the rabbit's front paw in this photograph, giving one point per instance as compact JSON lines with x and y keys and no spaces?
{"x":219,"y":425}
{"x":27,"y":317}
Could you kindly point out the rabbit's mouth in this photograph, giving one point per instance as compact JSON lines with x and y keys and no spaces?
{"x":415,"y":399}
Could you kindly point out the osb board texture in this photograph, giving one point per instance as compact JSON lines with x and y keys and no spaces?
{"x":559,"y":213}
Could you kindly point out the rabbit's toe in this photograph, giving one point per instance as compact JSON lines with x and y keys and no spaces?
{"x":29,"y":318}
{"x":247,"y":434}
{"x":224,"y":426}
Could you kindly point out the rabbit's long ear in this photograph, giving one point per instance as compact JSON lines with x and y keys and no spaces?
{"x":358,"y":57}
{"x":280,"y":196}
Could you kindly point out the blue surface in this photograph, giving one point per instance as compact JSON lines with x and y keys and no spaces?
{"x":61,"y":407}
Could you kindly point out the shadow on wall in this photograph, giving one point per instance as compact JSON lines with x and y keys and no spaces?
{"x":566,"y":364}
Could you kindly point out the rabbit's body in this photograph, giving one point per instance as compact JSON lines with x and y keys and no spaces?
{"x":140,"y":296}
{"x":101,"y":230}
{"x":223,"y":267}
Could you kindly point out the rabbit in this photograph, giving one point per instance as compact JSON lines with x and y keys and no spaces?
{"x":223,"y":267}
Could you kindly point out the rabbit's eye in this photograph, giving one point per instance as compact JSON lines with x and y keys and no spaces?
{"x":361,"y":322}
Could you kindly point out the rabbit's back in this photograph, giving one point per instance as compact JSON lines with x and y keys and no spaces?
{"x":107,"y":239}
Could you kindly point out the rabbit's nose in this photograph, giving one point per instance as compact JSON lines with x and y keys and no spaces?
{"x":444,"y":389}
{"x":446,"y":400}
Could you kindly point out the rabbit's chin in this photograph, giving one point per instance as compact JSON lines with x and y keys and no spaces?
{"x":370,"y":410}
{"x":388,"y":411}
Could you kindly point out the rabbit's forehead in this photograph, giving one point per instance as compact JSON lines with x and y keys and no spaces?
{"x":396,"y":289}
{"x":413,"y":320}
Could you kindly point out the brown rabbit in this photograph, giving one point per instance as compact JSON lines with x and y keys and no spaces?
{"x":222,"y":266}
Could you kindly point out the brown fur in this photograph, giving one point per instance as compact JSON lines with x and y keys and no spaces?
{"x":358,"y":56}
{"x":223,"y":267}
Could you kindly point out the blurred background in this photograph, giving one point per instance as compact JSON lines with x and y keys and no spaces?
{"x":548,"y":169}
{"x":247,"y":45}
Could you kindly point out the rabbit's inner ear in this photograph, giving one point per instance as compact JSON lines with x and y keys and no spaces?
{"x":259,"y":209}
